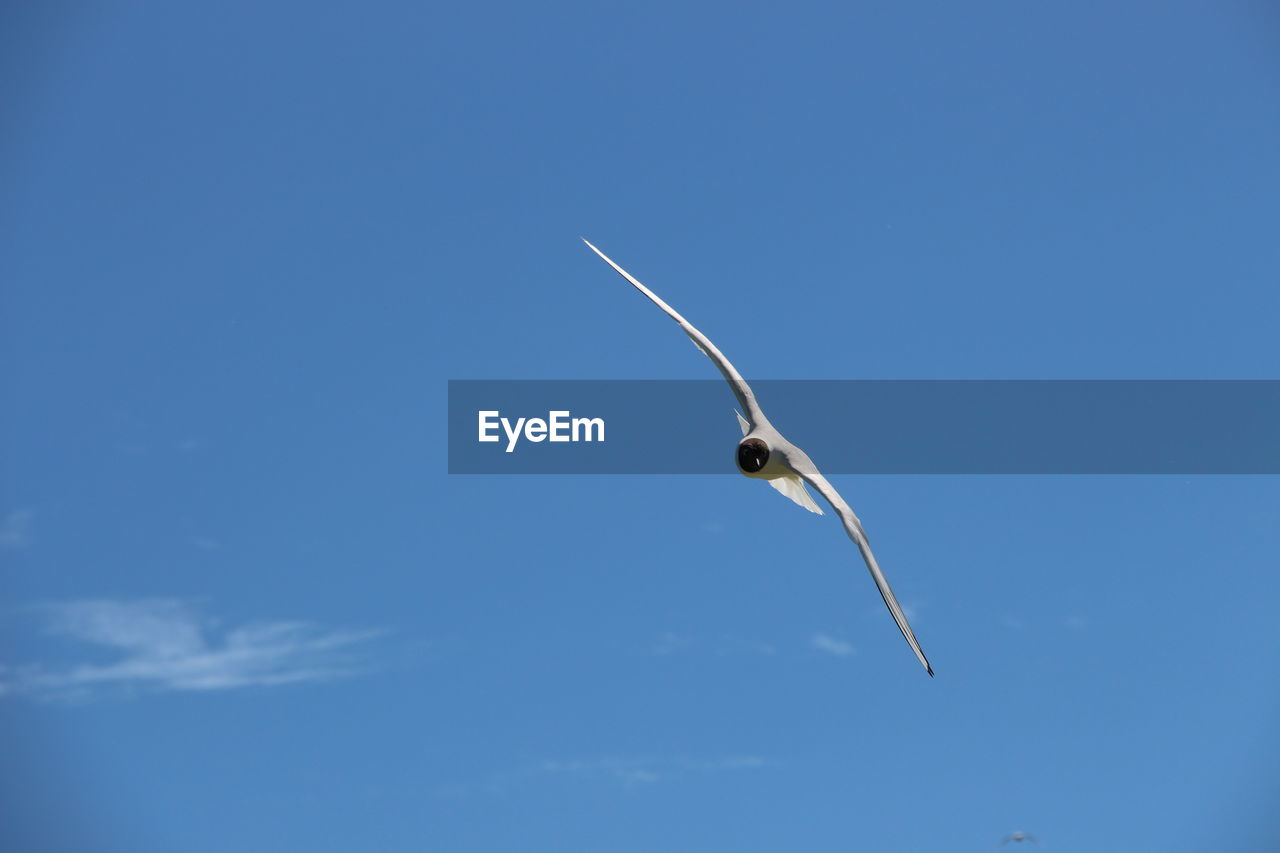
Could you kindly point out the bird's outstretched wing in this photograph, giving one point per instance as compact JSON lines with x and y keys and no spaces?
{"x":739,"y":385}
{"x":803,"y":465}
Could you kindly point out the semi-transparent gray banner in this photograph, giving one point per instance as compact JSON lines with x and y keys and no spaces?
{"x":869,"y":426}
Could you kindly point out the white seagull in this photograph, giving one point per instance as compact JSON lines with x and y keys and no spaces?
{"x":765,"y":455}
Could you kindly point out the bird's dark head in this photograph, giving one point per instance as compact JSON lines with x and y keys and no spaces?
{"x":753,"y":455}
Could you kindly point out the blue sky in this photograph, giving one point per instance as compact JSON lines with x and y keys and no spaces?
{"x":244,"y":246}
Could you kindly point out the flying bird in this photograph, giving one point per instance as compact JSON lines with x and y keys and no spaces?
{"x":764,"y":454}
{"x":1018,"y":836}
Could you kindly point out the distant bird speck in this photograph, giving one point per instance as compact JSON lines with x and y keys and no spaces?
{"x":1019,"y":836}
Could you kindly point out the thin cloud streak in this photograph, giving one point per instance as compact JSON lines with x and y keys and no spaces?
{"x":631,"y":771}
{"x":15,"y":530}
{"x":833,"y":645}
{"x":624,"y":772}
{"x":164,"y":645}
{"x":1077,"y":623}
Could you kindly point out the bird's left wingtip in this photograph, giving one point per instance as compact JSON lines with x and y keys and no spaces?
{"x":929,"y":669}
{"x":592,"y":247}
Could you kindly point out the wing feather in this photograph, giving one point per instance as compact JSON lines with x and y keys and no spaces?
{"x":793,"y":487}
{"x":803,"y":466}
{"x":731,"y":375}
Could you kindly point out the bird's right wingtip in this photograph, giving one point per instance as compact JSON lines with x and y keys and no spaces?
{"x":929,"y":669}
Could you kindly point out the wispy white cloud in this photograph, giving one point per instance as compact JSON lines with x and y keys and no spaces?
{"x":15,"y":529}
{"x":623,"y":772}
{"x":833,"y":645}
{"x":164,"y":644}
{"x":641,"y":771}
{"x":1077,"y":622}
{"x":620,"y":770}
{"x":669,"y":643}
